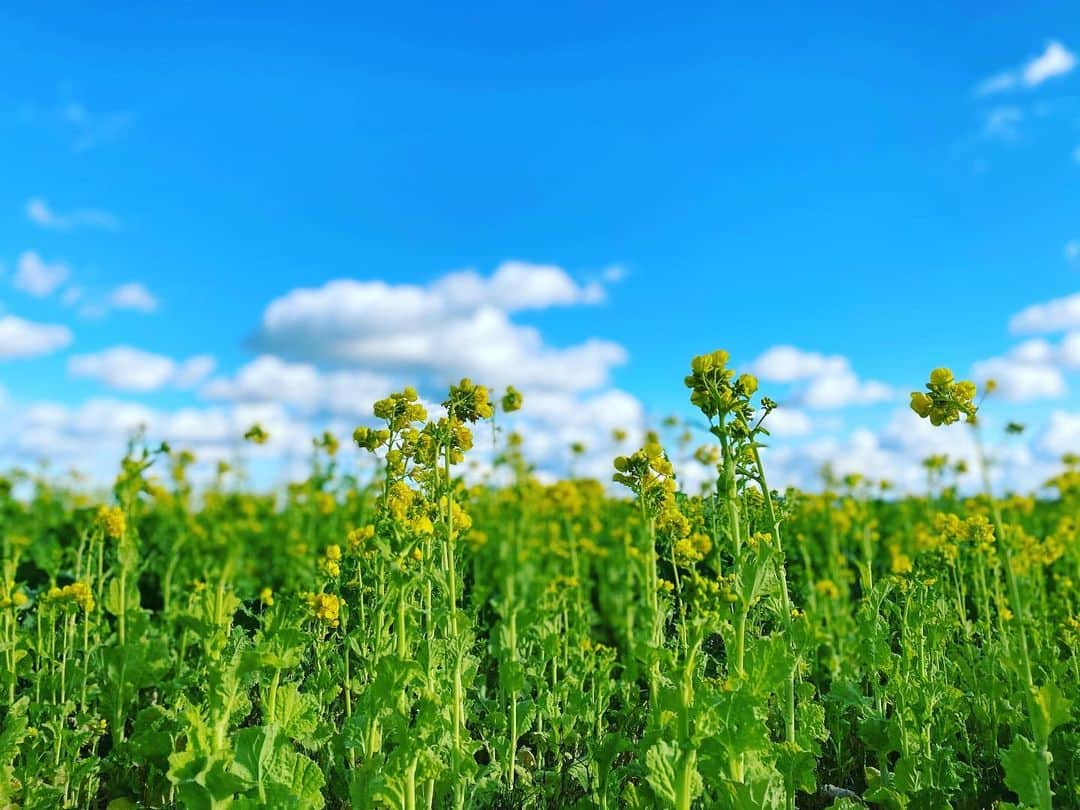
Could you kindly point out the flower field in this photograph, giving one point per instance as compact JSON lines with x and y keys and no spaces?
{"x":411,"y":640}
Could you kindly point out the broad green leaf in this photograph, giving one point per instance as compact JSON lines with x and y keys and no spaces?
{"x":1023,"y":773}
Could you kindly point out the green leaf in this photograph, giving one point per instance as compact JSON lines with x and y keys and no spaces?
{"x":254,"y":753}
{"x":660,"y":764}
{"x":1024,"y":773}
{"x":1050,"y":710}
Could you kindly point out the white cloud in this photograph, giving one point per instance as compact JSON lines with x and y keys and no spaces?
{"x":827,"y":381}
{"x":1061,"y":434}
{"x":133,"y":296}
{"x":551,"y":421}
{"x":789,"y":422}
{"x":1019,"y":381}
{"x":1002,"y":123}
{"x":22,"y":338}
{"x":1055,"y":60}
{"x":39,"y":212}
{"x":37,"y":277}
{"x":1072,"y":247}
{"x":896,"y":452}
{"x":92,"y":436}
{"x":459,"y":325}
{"x":998,"y":83}
{"x":785,"y":364}
{"x":302,"y":386}
{"x":129,"y":369}
{"x":841,"y":389}
{"x":1032,"y":369}
{"x":194,"y":370}
{"x":1057,"y":315}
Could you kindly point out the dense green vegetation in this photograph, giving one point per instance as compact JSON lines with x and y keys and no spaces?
{"x":413,"y":642}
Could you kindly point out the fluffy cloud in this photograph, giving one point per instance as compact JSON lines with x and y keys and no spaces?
{"x":302,"y":386}
{"x":22,"y":338}
{"x":551,"y":421}
{"x":1032,"y":369}
{"x":787,"y":422}
{"x":1057,"y":315}
{"x":37,"y":277}
{"x":825,"y":381}
{"x":1055,"y":60}
{"x":896,"y":452}
{"x":1019,"y":381}
{"x":133,"y":296}
{"x":458,"y":325}
{"x":1061,"y":434}
{"x":129,"y":369}
{"x":785,"y":364}
{"x":39,"y":212}
{"x":92,"y":436}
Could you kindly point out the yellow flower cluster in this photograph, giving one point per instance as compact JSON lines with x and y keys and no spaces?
{"x":266,"y":596}
{"x":712,"y":388}
{"x":945,"y":399}
{"x":359,"y":539}
{"x":324,"y":503}
{"x":13,"y":597}
{"x":330,"y":562}
{"x":460,"y":519}
{"x":567,"y":497}
{"x":899,"y":562}
{"x":324,"y":607}
{"x":954,"y":532}
{"x":1032,"y":554}
{"x":399,"y":497}
{"x":77,"y":594}
{"x":370,"y":439}
{"x":827,"y":588}
{"x":401,"y":410}
{"x":468,"y":402}
{"x":647,"y":471}
{"x":692,"y":549}
{"x":111,"y":520}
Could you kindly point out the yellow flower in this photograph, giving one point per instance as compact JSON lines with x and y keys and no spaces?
{"x":324,"y":607}
{"x":945,"y":400}
{"x":266,"y":596}
{"x":941,"y":376}
{"x":111,"y":519}
{"x":827,"y":588}
{"x":900,"y":562}
{"x":920,"y":403}
{"x":358,"y":538}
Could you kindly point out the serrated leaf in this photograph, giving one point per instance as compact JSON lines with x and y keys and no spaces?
{"x":1023,"y":773}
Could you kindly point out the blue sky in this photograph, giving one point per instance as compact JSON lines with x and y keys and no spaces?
{"x":883,"y":187}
